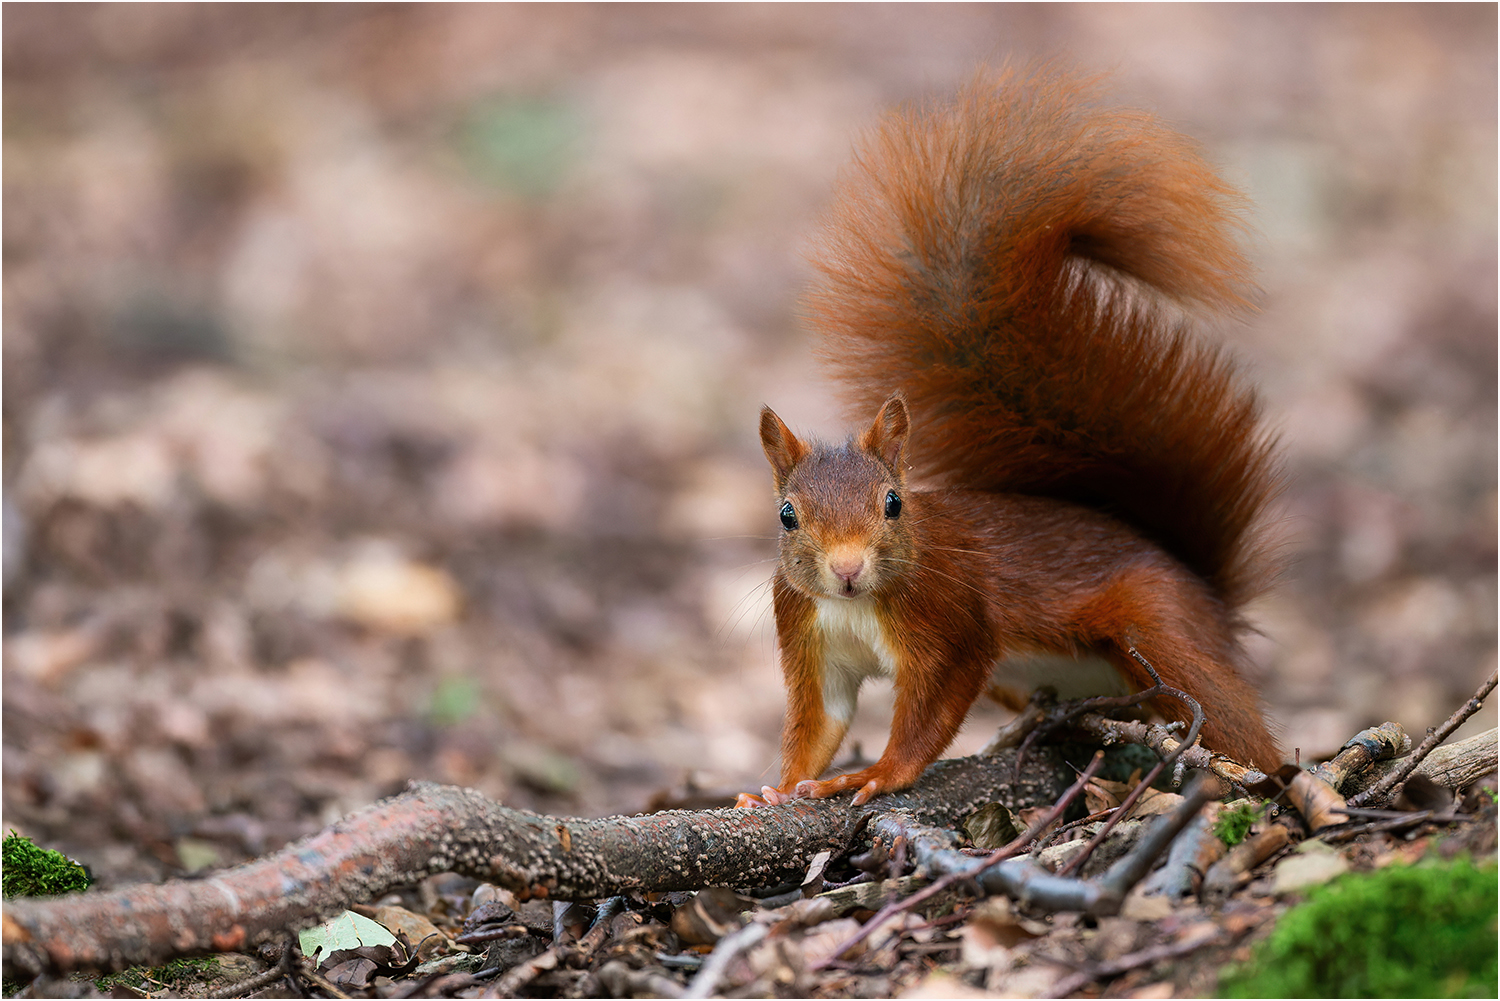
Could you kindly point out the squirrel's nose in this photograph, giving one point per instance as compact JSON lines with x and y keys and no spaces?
{"x":848,"y":569}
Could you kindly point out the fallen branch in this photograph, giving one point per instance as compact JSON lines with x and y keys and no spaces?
{"x":1233,"y":870}
{"x":1189,"y":857}
{"x":431,"y":829}
{"x":620,"y":981}
{"x":1383,"y":791}
{"x":1454,"y":766}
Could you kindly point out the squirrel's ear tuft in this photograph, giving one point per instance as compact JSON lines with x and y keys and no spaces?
{"x":886,"y":436}
{"x":783,"y":448}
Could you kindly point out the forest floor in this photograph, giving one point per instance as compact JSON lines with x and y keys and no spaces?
{"x":380,"y":387}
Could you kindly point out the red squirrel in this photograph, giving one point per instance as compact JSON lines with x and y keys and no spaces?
{"x":1057,"y":473}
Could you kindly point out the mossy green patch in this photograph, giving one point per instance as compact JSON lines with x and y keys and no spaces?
{"x":1427,"y":930}
{"x":1234,"y":823}
{"x":32,"y":871}
{"x":28,"y":870}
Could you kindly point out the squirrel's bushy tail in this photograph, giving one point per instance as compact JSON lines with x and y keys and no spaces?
{"x":1020,"y":264}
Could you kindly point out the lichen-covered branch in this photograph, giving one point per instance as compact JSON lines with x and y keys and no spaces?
{"x":431,"y":829}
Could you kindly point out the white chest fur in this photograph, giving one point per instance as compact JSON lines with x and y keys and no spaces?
{"x":854,"y":648}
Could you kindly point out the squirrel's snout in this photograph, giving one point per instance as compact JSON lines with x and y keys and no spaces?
{"x":847,"y":569}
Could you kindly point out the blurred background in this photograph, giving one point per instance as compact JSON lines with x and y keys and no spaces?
{"x":380,"y":382}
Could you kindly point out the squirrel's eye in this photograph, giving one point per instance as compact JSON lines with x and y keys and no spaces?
{"x":892,"y":504}
{"x":788,"y":516}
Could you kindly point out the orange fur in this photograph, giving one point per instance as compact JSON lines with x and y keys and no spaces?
{"x":1009,"y":277}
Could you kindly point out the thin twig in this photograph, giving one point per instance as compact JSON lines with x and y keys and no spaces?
{"x":729,"y":946}
{"x":259,"y":980}
{"x":1436,"y":737}
{"x":522,"y":974}
{"x":1131,"y":961}
{"x":599,"y":930}
{"x":1072,"y":710}
{"x":1337,"y":835}
{"x":1115,"y":816}
{"x":1081,"y":706}
{"x":953,"y":878}
{"x":1132,"y":868}
{"x":1051,"y":838}
{"x":1163,"y":739}
{"x":1145,"y":783}
{"x":309,"y":972}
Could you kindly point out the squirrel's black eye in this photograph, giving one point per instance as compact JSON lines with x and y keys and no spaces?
{"x":892,"y":504}
{"x":788,"y":516}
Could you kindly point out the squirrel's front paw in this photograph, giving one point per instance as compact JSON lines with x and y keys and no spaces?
{"x":868,"y":787}
{"x":866,"y":783}
{"x":769,"y":796}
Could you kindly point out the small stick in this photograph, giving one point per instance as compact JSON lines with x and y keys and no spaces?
{"x":1052,"y":835}
{"x":1436,"y":737}
{"x":492,"y":934}
{"x":254,"y":983}
{"x":1162,"y":740}
{"x":1341,"y":833}
{"x":1075,"y":709}
{"x":1131,"y":961}
{"x":944,"y":882}
{"x":1145,"y":783}
{"x":729,"y":946}
{"x":1376,"y":743}
{"x":1082,"y":706}
{"x":522,"y":974}
{"x":599,"y":931}
{"x":310,"y":973}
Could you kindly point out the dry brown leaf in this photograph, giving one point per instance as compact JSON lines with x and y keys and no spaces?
{"x":426,"y":938}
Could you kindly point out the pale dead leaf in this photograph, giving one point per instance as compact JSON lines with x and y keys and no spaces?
{"x":1308,"y":867}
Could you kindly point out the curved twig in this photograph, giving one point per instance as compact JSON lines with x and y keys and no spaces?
{"x":1167,"y":761}
{"x":1077,"y":709}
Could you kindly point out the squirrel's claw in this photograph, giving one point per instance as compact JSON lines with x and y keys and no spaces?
{"x":769,"y":796}
{"x":867,"y":792}
{"x":868,"y":787}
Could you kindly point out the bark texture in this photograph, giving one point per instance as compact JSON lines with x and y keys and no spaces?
{"x":431,"y":829}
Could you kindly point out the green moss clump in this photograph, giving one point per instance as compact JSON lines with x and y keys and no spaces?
{"x":1234,"y":824}
{"x":31,"y":871}
{"x":1405,"y":931}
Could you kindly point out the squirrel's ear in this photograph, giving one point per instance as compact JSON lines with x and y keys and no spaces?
{"x":886,"y":436}
{"x":783,"y":448}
